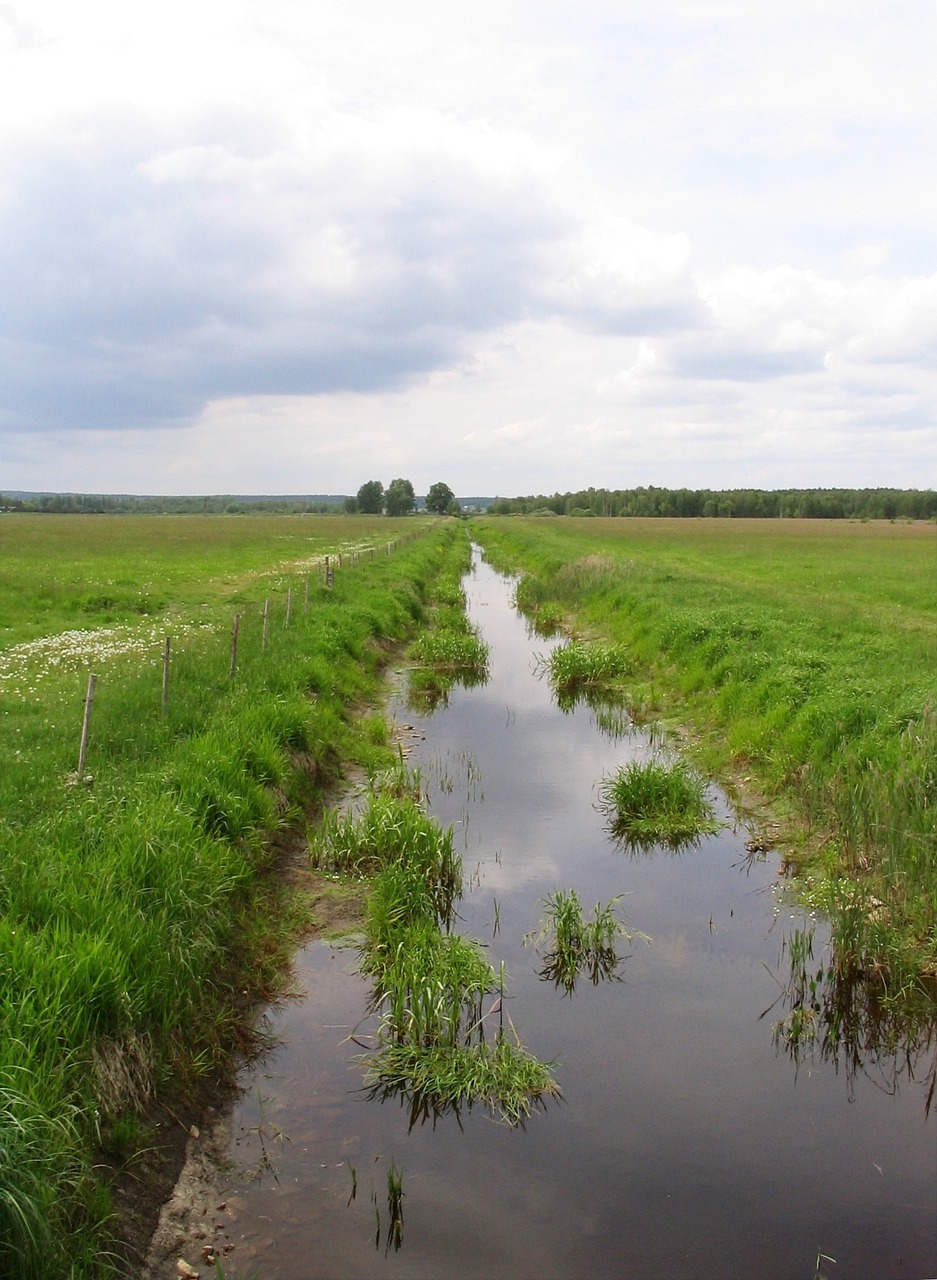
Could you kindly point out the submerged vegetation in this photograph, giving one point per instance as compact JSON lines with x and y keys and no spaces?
{"x":803,"y":655}
{"x":138,"y":909}
{"x":650,"y":802}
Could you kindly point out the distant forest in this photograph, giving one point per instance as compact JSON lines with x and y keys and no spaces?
{"x":824,"y":504}
{"x":219,"y":504}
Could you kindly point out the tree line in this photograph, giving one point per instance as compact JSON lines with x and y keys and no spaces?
{"x":398,"y":499}
{"x":824,"y":504}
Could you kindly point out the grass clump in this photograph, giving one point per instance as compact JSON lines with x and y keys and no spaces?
{"x":445,"y":656}
{"x":450,"y":651}
{"x":430,"y":984}
{"x":578,"y":943}
{"x":655,"y":802}
{"x":501,"y":1075}
{"x":586,"y":666}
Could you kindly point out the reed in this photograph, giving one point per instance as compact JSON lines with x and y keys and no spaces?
{"x":451,"y":651}
{"x":586,"y":666}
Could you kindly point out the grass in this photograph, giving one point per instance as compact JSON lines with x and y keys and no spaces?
{"x":582,"y":668}
{"x":577,"y":943}
{"x":136,"y":911}
{"x":802,"y":656}
{"x":650,"y":802}
{"x":450,"y":652}
{"x":433,"y":1044}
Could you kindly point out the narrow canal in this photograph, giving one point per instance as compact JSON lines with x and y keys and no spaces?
{"x":688,"y":1143}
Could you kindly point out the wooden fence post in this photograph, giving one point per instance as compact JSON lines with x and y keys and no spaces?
{"x":165,"y":675}
{"x":289,"y":606}
{"x":86,"y":726}
{"x":234,"y":643}
{"x":266,"y":622}
{"x":306,"y":598}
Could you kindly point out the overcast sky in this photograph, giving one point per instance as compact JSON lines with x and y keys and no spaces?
{"x":287,"y":246}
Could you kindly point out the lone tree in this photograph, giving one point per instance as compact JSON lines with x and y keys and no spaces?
{"x":440,"y":498}
{"x":399,"y":498}
{"x":371,"y":498}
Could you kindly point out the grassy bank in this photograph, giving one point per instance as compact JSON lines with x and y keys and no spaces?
{"x":803,"y":653}
{"x":138,"y":913}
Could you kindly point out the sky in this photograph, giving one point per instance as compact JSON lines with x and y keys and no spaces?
{"x":518,"y":246}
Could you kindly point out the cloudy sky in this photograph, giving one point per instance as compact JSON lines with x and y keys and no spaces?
{"x":286,"y":246}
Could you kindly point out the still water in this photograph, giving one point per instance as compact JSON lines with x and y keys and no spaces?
{"x":687,"y":1144}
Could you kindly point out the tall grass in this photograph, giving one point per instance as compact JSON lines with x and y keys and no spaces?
{"x":135,"y":911}
{"x":582,"y":667}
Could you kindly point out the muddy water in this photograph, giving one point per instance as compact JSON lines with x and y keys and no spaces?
{"x":687,"y":1144}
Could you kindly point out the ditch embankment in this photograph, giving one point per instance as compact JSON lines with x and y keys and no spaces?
{"x":149,"y":905}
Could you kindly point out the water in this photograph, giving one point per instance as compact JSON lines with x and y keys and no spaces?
{"x":687,"y":1145}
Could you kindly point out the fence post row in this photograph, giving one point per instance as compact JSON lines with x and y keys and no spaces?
{"x":235,"y":632}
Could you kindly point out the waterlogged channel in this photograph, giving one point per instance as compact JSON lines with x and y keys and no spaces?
{"x":690,"y":1142}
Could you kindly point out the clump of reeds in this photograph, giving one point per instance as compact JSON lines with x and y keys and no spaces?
{"x":499,"y":1074}
{"x":450,"y":650}
{"x":577,"y":943}
{"x":585,"y":669}
{"x":392,"y":829}
{"x":657,"y":802}
{"x":430,"y":985}
{"x":447,"y":655}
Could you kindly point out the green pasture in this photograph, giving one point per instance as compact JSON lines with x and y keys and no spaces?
{"x":136,"y":903}
{"x":75,"y":571}
{"x":804,"y":655}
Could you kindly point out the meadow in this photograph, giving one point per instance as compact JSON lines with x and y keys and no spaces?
{"x":140,"y":912}
{"x":802,"y":657}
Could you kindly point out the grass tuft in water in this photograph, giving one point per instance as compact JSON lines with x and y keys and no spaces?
{"x":430,"y":985}
{"x":652,"y":801}
{"x":450,"y":650}
{"x":578,"y":944}
{"x":586,"y":665}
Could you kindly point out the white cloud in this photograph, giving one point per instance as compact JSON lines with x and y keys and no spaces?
{"x":526,"y":245}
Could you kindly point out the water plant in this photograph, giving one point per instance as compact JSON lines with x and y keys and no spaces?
{"x":394,"y":1208}
{"x":448,"y":650}
{"x":577,"y":943}
{"x":432,"y":1042}
{"x":581,"y":666}
{"x":656,"y":802}
{"x":836,"y":1016}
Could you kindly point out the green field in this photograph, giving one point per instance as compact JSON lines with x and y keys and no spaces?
{"x":803,"y":656}
{"x":139,"y":909}
{"x":139,"y":904}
